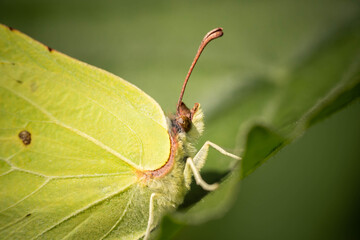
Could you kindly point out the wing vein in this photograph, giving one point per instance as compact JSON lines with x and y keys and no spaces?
{"x":82,"y":210}
{"x":77,"y":131}
{"x":7,"y":172}
{"x":27,"y":196}
{"x":120,"y":218}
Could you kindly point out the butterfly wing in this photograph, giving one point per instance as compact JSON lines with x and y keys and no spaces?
{"x":71,"y":138}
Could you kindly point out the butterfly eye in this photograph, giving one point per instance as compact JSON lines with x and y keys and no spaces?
{"x":183,"y":118}
{"x":184,"y":122}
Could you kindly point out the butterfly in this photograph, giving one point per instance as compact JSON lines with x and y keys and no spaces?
{"x":86,"y":154}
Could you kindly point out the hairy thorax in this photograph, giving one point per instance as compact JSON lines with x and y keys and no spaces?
{"x":171,"y":181}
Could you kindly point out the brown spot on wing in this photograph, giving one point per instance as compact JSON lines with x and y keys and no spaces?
{"x":10,"y":28}
{"x":49,"y":49}
{"x":25,"y":137}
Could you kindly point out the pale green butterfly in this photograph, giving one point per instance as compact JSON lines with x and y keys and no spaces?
{"x":85,"y":154}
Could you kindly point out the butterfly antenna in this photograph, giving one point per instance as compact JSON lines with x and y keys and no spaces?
{"x":213,"y":34}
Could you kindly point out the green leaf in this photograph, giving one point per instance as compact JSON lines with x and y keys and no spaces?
{"x":256,"y":154}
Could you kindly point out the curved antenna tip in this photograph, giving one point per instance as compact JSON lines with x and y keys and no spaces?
{"x":213,"y":34}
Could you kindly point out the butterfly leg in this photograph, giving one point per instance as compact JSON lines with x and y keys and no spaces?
{"x":198,"y":178}
{"x":198,"y":162}
{"x":151,"y":216}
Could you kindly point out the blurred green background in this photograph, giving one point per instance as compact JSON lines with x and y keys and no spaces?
{"x":310,"y":190}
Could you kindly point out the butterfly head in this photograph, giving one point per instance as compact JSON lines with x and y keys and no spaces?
{"x":184,"y":116}
{"x":188,"y":121}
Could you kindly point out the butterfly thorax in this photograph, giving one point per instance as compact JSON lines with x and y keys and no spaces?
{"x":185,"y":127}
{"x":171,"y":180}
